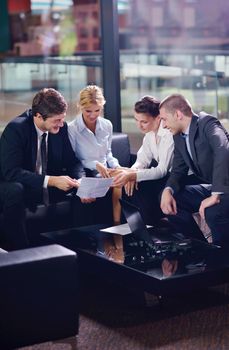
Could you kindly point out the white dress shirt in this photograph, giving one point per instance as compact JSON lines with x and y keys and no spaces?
{"x":159,"y":146}
{"x":90,"y":147}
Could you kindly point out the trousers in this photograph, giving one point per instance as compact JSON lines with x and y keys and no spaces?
{"x":217,"y":216}
{"x":12,"y":208}
{"x":147,"y":199}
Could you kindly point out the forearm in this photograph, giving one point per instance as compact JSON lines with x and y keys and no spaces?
{"x":64,"y":183}
{"x":208,"y":202}
{"x":52,"y":181}
{"x":112,"y":161}
{"x":25,"y":177}
{"x":124,"y":176}
{"x":151,"y":174}
{"x":132,"y":174}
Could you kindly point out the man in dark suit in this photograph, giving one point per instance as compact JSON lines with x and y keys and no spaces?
{"x":42,"y":168}
{"x":201,"y":144}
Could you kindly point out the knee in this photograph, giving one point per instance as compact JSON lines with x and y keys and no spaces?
{"x":210,"y":216}
{"x":217,"y":215}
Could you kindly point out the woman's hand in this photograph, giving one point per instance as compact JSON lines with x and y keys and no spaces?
{"x":114,"y":171}
{"x":123,"y":177}
{"x":129,"y":187}
{"x":102,"y":170}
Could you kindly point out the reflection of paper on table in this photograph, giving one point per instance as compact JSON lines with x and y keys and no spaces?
{"x":122,"y":230}
{"x":94,"y":187}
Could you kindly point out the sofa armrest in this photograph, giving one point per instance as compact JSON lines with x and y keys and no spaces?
{"x":133,"y":158}
{"x":38,"y":296}
{"x":121,"y":148}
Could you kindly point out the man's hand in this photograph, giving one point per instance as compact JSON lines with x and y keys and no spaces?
{"x":129,"y":187}
{"x":168,"y":203}
{"x":208,"y":202}
{"x":64,"y":183}
{"x":102,"y":170}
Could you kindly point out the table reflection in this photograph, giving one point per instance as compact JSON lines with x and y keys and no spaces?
{"x":169,"y":267}
{"x":182,"y":265}
{"x":161,"y":261}
{"x":113,"y":248}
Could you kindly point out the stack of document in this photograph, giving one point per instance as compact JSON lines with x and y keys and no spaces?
{"x":94,"y":187}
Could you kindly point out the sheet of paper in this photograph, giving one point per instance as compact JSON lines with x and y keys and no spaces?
{"x":93,"y":187}
{"x":122,"y":230}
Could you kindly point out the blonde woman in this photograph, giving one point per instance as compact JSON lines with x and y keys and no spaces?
{"x":91,"y":135}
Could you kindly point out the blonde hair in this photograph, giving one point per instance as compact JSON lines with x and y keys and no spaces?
{"x":91,"y":94}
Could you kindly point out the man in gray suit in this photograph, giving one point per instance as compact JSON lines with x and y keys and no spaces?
{"x":202,"y":145}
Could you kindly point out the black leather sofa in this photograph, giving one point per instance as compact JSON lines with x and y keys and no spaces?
{"x":39,"y":296}
{"x":71,"y":213}
{"x":39,"y":286}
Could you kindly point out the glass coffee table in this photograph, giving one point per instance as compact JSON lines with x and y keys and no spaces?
{"x":162,"y":269}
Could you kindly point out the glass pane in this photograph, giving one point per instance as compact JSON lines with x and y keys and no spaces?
{"x":53,"y":44}
{"x":173,"y":46}
{"x":51,"y":27}
{"x":20,"y":81}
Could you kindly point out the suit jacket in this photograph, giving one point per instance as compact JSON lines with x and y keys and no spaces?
{"x":18,"y":154}
{"x":209,"y":143}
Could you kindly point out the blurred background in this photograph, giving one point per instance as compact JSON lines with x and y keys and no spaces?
{"x":129,"y":47}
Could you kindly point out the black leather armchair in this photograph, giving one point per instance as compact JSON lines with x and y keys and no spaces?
{"x":121,"y":148}
{"x":38,"y":296}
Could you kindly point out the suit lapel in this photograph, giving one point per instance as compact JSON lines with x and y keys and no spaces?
{"x":33,"y":142}
{"x":185,"y":153}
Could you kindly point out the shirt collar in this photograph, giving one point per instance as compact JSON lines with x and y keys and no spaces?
{"x":189,"y":126}
{"x":83,"y":126}
{"x":99,"y":124}
{"x":81,"y":123}
{"x":186,"y":133}
{"x":39,"y":131}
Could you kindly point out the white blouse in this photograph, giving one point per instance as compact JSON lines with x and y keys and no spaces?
{"x":159,"y":146}
{"x":90,"y":147}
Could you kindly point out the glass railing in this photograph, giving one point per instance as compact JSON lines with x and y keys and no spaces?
{"x":21,"y":78}
{"x":205,"y":82}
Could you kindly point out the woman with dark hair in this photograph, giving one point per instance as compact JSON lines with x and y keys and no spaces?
{"x":146,"y":178}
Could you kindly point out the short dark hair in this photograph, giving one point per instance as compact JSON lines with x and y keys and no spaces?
{"x":176,"y":102}
{"x":148,"y":105}
{"x":48,"y":102}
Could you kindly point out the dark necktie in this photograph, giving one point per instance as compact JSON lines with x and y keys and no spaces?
{"x":43,"y":155}
{"x":185,"y":137}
